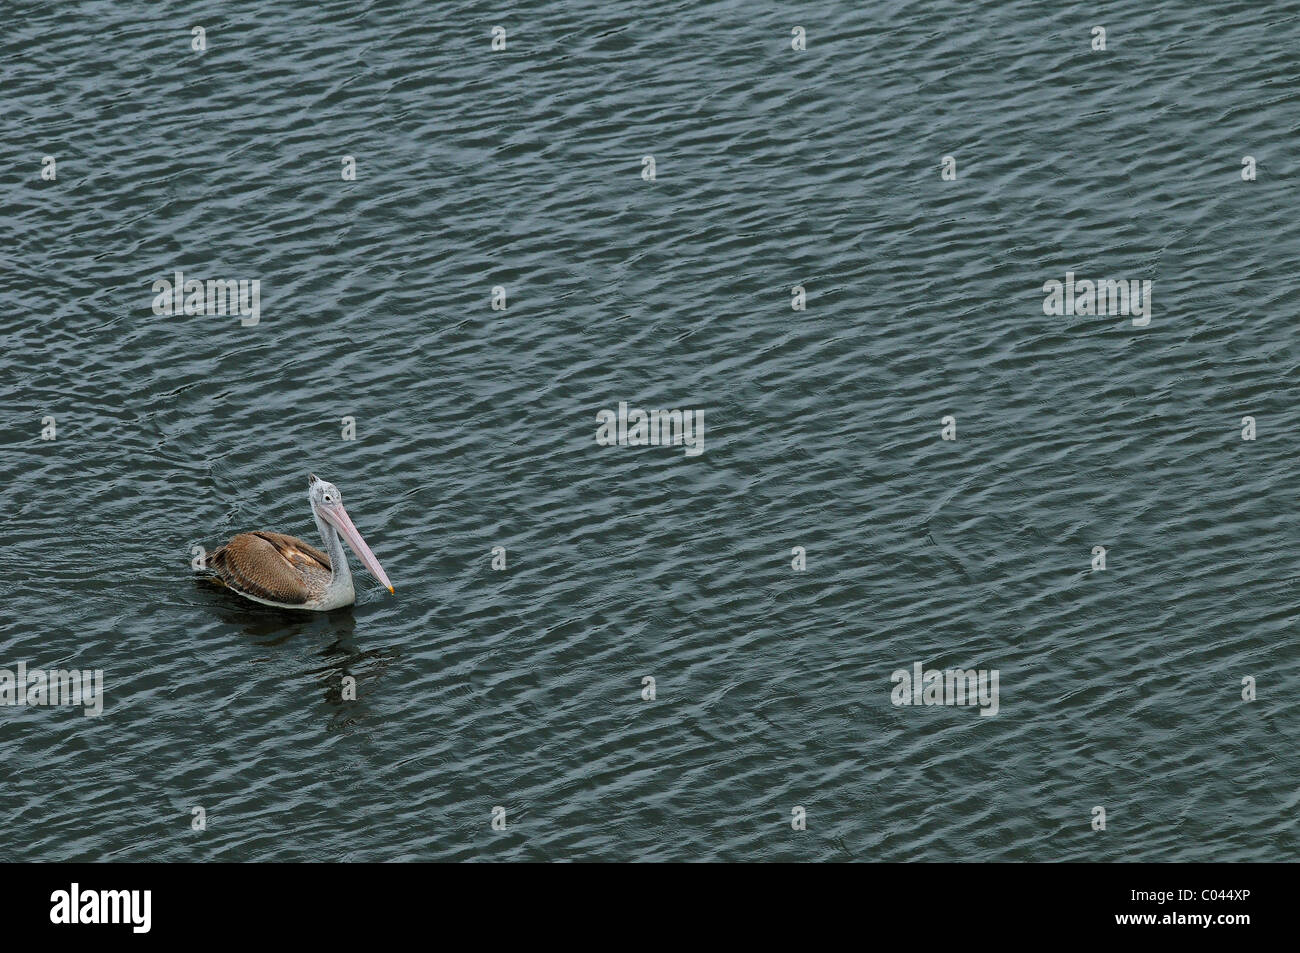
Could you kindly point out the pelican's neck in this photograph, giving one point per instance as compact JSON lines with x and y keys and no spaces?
{"x":340,"y":571}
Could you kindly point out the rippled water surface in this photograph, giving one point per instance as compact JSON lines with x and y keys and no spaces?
{"x":476,"y":428}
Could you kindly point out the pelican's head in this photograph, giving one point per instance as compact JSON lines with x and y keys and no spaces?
{"x":327,"y":503}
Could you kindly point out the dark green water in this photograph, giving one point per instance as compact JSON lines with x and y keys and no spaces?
{"x":476,"y":428}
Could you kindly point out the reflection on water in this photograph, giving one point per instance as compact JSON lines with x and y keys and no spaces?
{"x":270,"y":625}
{"x":351,"y":672}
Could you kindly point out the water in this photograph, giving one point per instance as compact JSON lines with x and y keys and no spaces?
{"x":476,"y":428}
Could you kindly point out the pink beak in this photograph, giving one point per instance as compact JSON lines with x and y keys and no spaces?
{"x":339,"y":519}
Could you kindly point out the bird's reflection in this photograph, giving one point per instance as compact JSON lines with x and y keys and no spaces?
{"x":347,"y":677}
{"x":268,"y":627}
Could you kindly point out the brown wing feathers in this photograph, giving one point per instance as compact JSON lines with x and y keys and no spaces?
{"x":294,"y":550}
{"x":269,"y":565}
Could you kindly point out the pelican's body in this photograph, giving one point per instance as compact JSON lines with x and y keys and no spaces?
{"x":283,"y":571}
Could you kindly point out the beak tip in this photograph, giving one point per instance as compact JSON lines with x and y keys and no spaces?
{"x":392,"y":590}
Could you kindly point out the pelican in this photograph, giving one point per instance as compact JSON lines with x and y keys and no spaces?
{"x":279,"y":570}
